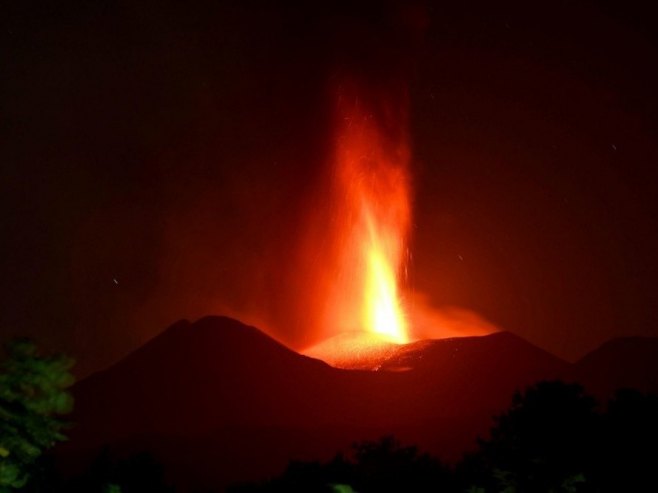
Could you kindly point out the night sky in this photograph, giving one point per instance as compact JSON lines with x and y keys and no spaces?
{"x":157,"y":160}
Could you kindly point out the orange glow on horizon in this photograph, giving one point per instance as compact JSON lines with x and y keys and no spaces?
{"x":371,"y":200}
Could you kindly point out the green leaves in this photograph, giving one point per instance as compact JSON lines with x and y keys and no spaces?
{"x":33,"y":396}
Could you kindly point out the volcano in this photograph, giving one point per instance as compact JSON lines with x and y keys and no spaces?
{"x":219,"y":402}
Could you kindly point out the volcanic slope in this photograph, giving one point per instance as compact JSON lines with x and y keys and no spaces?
{"x":628,"y":362}
{"x":217,"y":401}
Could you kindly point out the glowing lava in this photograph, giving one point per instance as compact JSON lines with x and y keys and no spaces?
{"x":372,"y":216}
{"x":355,"y":251}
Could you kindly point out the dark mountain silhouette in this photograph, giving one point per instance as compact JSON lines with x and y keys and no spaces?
{"x":629,"y":362}
{"x":218,"y":402}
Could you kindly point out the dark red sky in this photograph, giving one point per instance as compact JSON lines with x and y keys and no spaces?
{"x":157,"y":158}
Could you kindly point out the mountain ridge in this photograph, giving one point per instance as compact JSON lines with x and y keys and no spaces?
{"x":227,"y":389}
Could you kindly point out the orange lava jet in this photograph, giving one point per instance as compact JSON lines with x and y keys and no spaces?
{"x":372,"y":212}
{"x":356,"y":249}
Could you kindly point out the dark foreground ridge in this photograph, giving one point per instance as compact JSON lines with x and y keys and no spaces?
{"x":218,"y":402}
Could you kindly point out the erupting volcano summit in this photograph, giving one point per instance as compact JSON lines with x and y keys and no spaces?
{"x":369,"y":196}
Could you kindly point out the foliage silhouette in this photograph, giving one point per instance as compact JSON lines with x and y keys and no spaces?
{"x":381,"y":466}
{"x":544,"y":442}
{"x":628,"y":456}
{"x":33,"y":397}
{"x":136,"y":474}
{"x":553,"y":439}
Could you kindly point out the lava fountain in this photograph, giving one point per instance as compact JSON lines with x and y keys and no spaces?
{"x":373,"y":180}
{"x":365,"y":237}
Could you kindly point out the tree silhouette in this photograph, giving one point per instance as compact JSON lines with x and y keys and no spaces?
{"x":374,"y":466}
{"x":134,"y":474}
{"x":553,"y":439}
{"x":548,"y":441}
{"x":386,"y":465}
{"x":33,"y":397}
{"x":629,"y":454}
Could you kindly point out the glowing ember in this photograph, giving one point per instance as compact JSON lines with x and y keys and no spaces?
{"x":371,"y":195}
